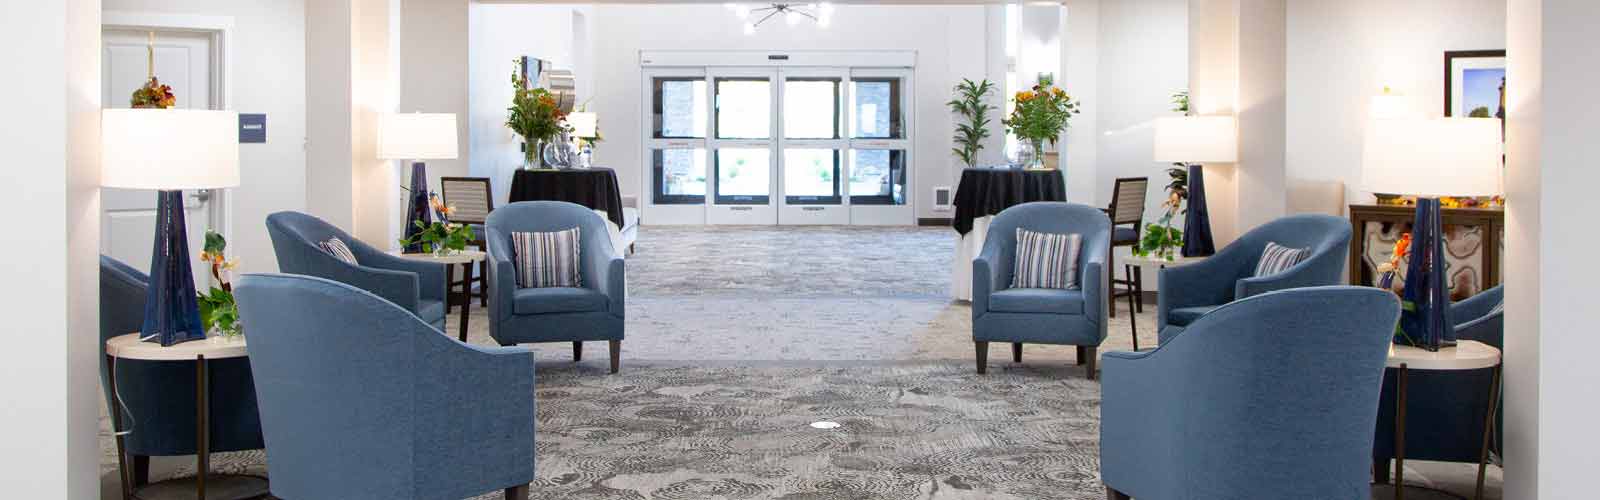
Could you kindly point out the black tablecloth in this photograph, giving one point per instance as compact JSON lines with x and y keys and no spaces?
{"x":987,"y":191}
{"x":595,"y":188}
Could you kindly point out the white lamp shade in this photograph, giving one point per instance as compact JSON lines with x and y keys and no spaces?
{"x":171,"y":149}
{"x":1197,"y":139}
{"x":1432,"y":156}
{"x":583,"y":123}
{"x":417,"y":136}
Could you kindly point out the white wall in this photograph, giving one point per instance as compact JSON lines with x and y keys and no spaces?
{"x":53,"y":139}
{"x":1143,"y":59}
{"x":1343,"y":53}
{"x":269,"y":68}
{"x":500,"y":33}
{"x":433,"y":59}
{"x":949,"y":41}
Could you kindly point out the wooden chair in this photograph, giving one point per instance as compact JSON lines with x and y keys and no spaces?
{"x":473,"y":199}
{"x":1127,"y":223}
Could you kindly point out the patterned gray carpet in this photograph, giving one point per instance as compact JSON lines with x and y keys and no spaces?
{"x":738,"y":338}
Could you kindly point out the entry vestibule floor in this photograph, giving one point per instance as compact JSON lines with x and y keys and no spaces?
{"x":821,"y":323}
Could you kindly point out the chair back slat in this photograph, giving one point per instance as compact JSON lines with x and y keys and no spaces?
{"x":470,"y":196}
{"x":1127,"y":200}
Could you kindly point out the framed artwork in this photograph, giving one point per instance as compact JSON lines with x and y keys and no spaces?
{"x":1475,"y":83}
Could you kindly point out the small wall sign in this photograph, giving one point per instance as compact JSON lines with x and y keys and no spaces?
{"x":252,"y":128}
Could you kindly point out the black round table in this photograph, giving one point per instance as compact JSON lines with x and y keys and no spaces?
{"x":595,"y":188}
{"x":987,"y":191}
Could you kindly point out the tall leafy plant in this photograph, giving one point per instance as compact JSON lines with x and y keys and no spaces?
{"x":969,"y":103}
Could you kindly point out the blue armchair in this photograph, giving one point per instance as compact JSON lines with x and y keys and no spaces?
{"x":1451,"y":402}
{"x":1271,"y":396}
{"x":379,"y":405}
{"x":416,"y":286}
{"x":1035,"y":315}
{"x":159,"y":395}
{"x":1190,"y":291}
{"x":525,"y":315}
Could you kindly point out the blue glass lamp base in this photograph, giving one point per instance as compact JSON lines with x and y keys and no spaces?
{"x":171,"y":310}
{"x":1197,"y":240}
{"x":1426,"y":320}
{"x":419,"y":210}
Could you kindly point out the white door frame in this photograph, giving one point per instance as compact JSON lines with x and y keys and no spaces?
{"x":903,"y":214}
{"x":672,"y":213}
{"x":743,"y":213}
{"x":221,"y":29}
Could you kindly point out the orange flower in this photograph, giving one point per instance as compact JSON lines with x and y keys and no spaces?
{"x":1402,"y":247}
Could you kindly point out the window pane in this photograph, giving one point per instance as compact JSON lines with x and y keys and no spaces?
{"x":680,"y":107}
{"x":744,"y":108}
{"x":877,"y":177}
{"x":877,"y":108}
{"x":743,"y":175}
{"x":680,"y":176}
{"x":811,"y":176}
{"x":811,"y":108}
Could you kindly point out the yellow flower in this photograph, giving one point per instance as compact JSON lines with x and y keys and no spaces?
{"x":229,"y":265}
{"x":1058,"y":92}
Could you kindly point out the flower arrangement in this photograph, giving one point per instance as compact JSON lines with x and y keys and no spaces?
{"x":1040,"y":115}
{"x":154,"y":94}
{"x":218,"y":311}
{"x":534,"y":116}
{"x":441,"y":237}
{"x":1391,"y":270}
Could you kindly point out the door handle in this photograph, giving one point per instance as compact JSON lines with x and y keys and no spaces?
{"x":201,"y":195}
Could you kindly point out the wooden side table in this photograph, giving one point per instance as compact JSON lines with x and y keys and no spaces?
{"x":466,"y":260}
{"x":1137,"y":263}
{"x":1466,"y":355}
{"x":224,"y":486}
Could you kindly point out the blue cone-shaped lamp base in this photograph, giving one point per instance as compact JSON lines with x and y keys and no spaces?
{"x":418,"y":209}
{"x":1197,"y":240}
{"x":1426,"y":320}
{"x":171,"y":311}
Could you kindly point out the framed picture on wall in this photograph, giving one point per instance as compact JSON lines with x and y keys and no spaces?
{"x":1475,"y":83}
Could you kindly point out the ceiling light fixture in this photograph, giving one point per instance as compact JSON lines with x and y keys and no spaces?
{"x":792,"y":14}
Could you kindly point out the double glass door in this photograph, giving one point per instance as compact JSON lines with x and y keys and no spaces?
{"x":778,"y":146}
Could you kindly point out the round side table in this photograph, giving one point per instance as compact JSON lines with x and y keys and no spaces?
{"x":1465,"y":355}
{"x":466,"y":259}
{"x":1135,"y":268}
{"x":221,"y":486}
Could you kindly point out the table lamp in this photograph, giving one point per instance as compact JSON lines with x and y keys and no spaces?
{"x":417,"y":136}
{"x":1429,"y":158}
{"x":170,"y":150}
{"x":1191,"y":141}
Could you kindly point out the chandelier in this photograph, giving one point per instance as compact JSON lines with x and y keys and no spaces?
{"x":792,"y":14}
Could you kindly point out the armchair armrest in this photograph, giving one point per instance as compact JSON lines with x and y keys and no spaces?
{"x":1137,"y":417}
{"x":609,"y":277}
{"x":1095,"y":284}
{"x":986,"y":274}
{"x":1476,"y":306}
{"x":399,"y":287}
{"x":475,"y":415}
{"x":502,"y":278}
{"x":430,"y":276}
{"x":1314,"y":271}
{"x":1204,"y":283}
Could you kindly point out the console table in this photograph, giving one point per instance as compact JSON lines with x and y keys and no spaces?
{"x":1473,"y":239}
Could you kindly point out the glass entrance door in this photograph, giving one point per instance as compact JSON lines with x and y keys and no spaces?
{"x":743,"y":147}
{"x":813,"y":145}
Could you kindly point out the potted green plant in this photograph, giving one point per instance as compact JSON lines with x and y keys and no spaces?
{"x":1040,"y":115}
{"x":969,"y":104}
{"x":534,"y":116}
{"x":218,"y":311}
{"x":440,"y":237}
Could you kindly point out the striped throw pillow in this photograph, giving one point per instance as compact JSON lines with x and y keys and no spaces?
{"x":1046,"y":260}
{"x":545,"y":260}
{"x":1278,"y":258}
{"x":337,"y":248}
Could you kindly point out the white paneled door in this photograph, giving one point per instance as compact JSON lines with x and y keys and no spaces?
{"x":185,"y":61}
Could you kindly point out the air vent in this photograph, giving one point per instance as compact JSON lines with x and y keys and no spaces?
{"x":941,"y":199}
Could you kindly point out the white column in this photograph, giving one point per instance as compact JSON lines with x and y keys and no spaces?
{"x":50,"y":378}
{"x":433,"y":75}
{"x":1080,"y":68}
{"x":1550,"y":372}
{"x":1237,"y":65}
{"x":350,"y":77}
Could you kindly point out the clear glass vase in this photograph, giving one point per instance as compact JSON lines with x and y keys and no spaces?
{"x":1036,"y":159}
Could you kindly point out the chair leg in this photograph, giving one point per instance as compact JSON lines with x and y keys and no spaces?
{"x":1080,"y":354}
{"x":1113,"y":494}
{"x":616,"y":355}
{"x":483,"y":284}
{"x":577,"y":352}
{"x":1138,"y":286}
{"x":1090,"y":354}
{"x":450,"y":284}
{"x":141,"y":470}
{"x":1380,"y":471}
{"x":517,"y":492}
{"x":1016,"y":352}
{"x":983,"y":356}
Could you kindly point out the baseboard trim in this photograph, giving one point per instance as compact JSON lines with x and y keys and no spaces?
{"x":935,"y":221}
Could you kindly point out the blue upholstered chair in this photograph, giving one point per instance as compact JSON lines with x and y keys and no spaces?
{"x":416,"y":286}
{"x":1190,"y":291}
{"x":378,"y":404}
{"x":593,"y":312}
{"x":1035,"y":315}
{"x":158,"y":396}
{"x":1452,"y":403}
{"x":1270,"y":396}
